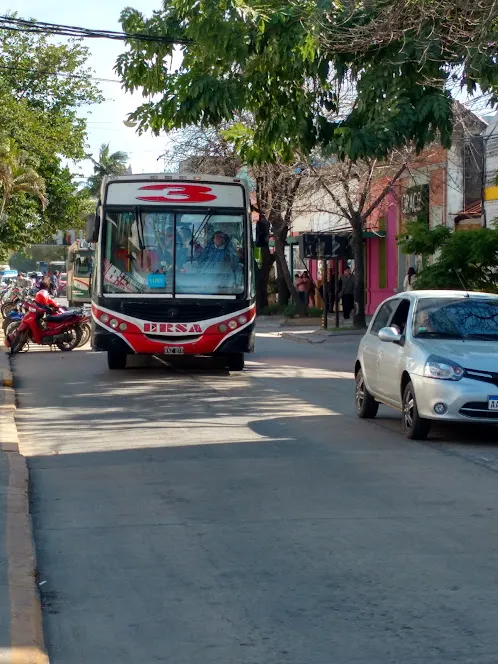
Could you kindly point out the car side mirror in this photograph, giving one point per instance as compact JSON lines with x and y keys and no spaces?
{"x":390,"y":334}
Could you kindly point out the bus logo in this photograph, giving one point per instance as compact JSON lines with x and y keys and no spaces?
{"x":178,"y":193}
{"x":175,"y":328}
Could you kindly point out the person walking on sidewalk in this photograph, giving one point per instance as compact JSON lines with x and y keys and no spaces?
{"x":410,"y":279}
{"x":347,"y":292}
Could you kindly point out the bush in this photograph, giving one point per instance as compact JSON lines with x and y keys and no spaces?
{"x":467,"y":260}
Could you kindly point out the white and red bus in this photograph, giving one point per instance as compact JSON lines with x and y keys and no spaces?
{"x":173,"y":268}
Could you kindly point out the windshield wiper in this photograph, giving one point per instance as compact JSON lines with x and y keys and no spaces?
{"x":140,"y":228}
{"x":482,"y":336}
{"x":195,"y":237}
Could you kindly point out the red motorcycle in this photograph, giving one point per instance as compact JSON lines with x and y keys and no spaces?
{"x":61,"y":329}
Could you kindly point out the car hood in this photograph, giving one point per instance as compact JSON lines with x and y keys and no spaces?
{"x":481,"y":355}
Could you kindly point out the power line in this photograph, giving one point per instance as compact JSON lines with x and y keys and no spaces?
{"x":59,"y":73}
{"x":40,"y":27}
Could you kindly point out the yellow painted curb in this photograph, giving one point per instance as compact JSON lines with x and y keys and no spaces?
{"x":7,"y":378}
{"x":26,"y":629}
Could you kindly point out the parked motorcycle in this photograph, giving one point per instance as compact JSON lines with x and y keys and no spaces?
{"x":17,"y":296}
{"x":17,"y":315}
{"x":57,"y":329}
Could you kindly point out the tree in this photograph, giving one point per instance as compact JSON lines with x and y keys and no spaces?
{"x":354,"y":79}
{"x":17,"y":176}
{"x":213,"y":151}
{"x":354,"y":190}
{"x":466,"y":260}
{"x":42,"y":85}
{"x":105,"y":164}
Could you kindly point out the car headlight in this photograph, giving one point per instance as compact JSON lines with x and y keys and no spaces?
{"x":443,"y":369}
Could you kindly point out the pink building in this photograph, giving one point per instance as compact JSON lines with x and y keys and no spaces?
{"x":381,"y":251}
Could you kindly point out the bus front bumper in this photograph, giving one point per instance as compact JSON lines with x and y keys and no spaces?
{"x":203,"y":338}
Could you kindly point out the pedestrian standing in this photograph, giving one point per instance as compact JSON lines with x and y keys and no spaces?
{"x":347,"y":292}
{"x":301,"y":287}
{"x":54,"y":283}
{"x":409,"y":281}
{"x":310,"y":289}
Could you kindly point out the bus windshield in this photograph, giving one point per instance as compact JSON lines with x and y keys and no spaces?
{"x":173,"y":252}
{"x":83,"y":265}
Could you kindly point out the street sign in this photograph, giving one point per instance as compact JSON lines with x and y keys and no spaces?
{"x":327,"y":246}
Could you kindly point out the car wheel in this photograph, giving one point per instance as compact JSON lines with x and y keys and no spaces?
{"x":116,"y":360}
{"x":414,"y":426}
{"x":366,"y":406}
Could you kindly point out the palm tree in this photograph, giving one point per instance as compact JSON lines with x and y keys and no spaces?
{"x":107,"y":164}
{"x":17,"y":176}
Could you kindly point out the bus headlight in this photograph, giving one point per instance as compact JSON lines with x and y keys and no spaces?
{"x":123,"y":327}
{"x":114,"y":324}
{"x":104,"y":318}
{"x":242,"y":319}
{"x":232,"y":324}
{"x":222,"y":327}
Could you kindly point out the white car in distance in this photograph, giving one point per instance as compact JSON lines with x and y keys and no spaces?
{"x":434,"y":356}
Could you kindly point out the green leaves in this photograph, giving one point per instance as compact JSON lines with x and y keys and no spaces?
{"x":42,"y":85}
{"x":105,"y":164}
{"x":304,"y":81}
{"x":465,"y":259}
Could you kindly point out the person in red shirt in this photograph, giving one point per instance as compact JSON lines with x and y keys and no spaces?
{"x":43,"y":296}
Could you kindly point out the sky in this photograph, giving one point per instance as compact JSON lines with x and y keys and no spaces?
{"x":105,"y":121}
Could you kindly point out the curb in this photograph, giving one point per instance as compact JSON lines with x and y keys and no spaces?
{"x":27,"y":645}
{"x":299,"y":338}
{"x":305,"y":340}
{"x":7,"y":378}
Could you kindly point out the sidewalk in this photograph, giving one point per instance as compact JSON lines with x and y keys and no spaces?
{"x":311,"y":333}
{"x":21,"y":635}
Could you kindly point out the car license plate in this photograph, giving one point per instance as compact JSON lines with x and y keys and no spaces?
{"x":493,"y":403}
{"x":178,"y":350}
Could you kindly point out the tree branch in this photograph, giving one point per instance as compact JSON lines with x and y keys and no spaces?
{"x":384,"y":192}
{"x":366,"y":187}
{"x":337,"y":202}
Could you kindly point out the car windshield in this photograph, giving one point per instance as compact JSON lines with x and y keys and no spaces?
{"x":173,"y":252}
{"x":462,"y":318}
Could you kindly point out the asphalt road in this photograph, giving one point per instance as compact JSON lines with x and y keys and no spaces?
{"x":185,"y":515}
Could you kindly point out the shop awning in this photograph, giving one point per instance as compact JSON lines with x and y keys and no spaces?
{"x":473,"y":211}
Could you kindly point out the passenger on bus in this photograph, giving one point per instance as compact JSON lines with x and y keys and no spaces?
{"x":220,"y":251}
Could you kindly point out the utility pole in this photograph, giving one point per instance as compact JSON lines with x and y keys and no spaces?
{"x":325,"y":295}
{"x":336,"y":294}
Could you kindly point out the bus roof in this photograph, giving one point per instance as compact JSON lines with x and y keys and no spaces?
{"x":176,"y":177}
{"x":182,"y":189}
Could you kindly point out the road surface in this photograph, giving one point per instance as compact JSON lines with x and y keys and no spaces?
{"x":187,"y":515}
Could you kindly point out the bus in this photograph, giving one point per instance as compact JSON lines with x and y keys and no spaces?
{"x":79,"y":271}
{"x":55,"y":266}
{"x":173,"y":269}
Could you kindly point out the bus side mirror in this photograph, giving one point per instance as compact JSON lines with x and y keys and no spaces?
{"x":262,"y":232}
{"x":92,"y":228}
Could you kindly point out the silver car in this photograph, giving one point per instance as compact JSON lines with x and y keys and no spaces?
{"x":434,"y":356}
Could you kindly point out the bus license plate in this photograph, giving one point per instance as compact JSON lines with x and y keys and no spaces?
{"x":173,"y":350}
